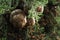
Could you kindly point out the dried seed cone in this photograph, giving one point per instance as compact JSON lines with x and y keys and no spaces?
{"x":18,"y":18}
{"x":39,"y":9}
{"x":31,"y":21}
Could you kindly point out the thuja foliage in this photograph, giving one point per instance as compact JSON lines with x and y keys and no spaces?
{"x":35,"y":31}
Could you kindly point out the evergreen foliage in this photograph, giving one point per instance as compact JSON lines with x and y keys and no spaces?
{"x":47,"y":22}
